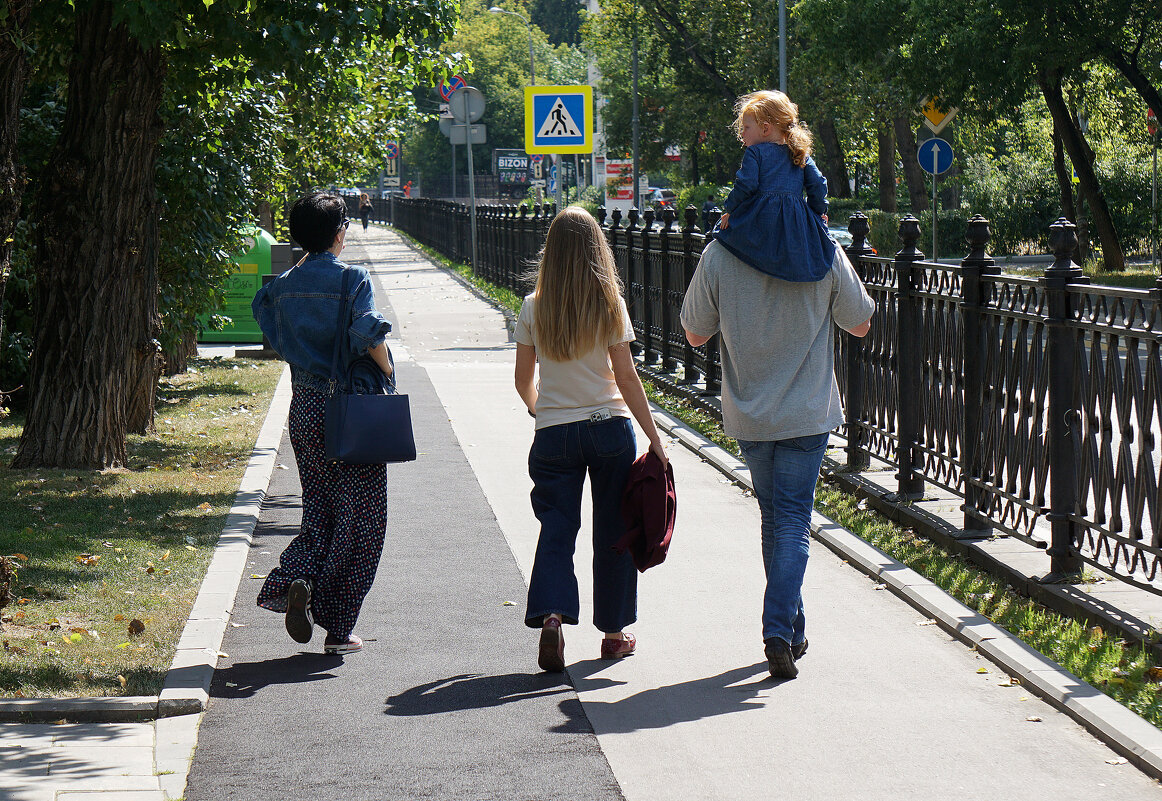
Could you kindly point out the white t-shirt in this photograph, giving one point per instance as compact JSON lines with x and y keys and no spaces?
{"x":573,"y":390}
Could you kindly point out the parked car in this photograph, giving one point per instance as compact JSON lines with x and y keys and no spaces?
{"x":660,"y":198}
{"x":840,"y":235}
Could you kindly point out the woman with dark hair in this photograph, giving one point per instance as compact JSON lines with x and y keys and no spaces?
{"x":327,"y":570}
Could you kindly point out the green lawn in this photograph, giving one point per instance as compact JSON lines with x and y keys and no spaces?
{"x":110,"y":562}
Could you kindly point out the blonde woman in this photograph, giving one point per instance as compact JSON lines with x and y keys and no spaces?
{"x":767,"y":222}
{"x":575,"y":323}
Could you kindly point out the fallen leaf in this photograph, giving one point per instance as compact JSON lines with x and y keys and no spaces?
{"x":122,"y":680}
{"x":1117,"y":761}
{"x":508,"y":603}
{"x":925,"y":622}
{"x":1154,"y":674}
{"x":223,"y":655}
{"x":165,"y":556}
{"x":239,"y":625}
{"x":118,"y":616}
{"x":20,"y":556}
{"x":88,"y":558}
{"x":256,"y":576}
{"x":982,"y":670}
{"x":1033,"y":719}
{"x":205,"y":507}
{"x":191,"y":548}
{"x":135,"y":627}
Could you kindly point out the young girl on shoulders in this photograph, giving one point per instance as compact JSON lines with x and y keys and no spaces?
{"x":767,"y":223}
{"x":575,"y":323}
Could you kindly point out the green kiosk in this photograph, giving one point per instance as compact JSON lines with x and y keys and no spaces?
{"x":262,"y":257}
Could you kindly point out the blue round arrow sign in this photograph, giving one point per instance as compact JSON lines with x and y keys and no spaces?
{"x":934,"y":155}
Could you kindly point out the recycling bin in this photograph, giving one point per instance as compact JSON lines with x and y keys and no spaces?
{"x":259,"y":259}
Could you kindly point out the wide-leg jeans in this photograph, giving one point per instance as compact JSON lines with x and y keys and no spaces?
{"x":559,"y":460}
{"x":784,"y":473}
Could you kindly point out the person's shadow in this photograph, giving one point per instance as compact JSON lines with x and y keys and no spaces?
{"x":674,"y":703}
{"x":474,"y":691}
{"x":245,"y":679}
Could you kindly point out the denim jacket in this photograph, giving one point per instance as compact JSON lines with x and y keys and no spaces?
{"x":297,"y":313}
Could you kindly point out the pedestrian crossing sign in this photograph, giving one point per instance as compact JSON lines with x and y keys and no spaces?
{"x":558,"y":119}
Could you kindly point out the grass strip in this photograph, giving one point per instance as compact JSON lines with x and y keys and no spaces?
{"x":1122,"y":671}
{"x":109,"y":562}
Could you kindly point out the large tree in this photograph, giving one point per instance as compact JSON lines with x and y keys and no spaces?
{"x":13,"y":75}
{"x":96,"y":351}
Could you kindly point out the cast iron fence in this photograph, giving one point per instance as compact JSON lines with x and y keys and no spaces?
{"x":1036,"y":399}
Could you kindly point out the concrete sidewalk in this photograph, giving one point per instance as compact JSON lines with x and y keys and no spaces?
{"x":451,"y":704}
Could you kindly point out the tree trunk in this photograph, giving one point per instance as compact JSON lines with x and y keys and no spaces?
{"x":832,"y":164}
{"x":913,"y":173}
{"x":177,"y":360}
{"x":1065,"y":185}
{"x":97,"y":248}
{"x":1082,"y":157}
{"x":695,"y":175}
{"x":13,"y":76}
{"x":887,"y":164}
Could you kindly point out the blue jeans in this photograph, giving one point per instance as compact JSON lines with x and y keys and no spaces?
{"x":558,"y":461}
{"x":784,"y":473}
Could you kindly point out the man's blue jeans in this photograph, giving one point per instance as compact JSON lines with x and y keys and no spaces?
{"x":784,"y":473}
{"x":558,"y":461}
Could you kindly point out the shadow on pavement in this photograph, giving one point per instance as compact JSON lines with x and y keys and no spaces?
{"x":474,"y":691}
{"x":675,"y":703}
{"x":244,"y":679}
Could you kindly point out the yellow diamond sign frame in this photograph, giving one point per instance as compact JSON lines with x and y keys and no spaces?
{"x":934,"y":118}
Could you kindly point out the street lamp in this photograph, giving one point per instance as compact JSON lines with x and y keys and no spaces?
{"x":529,"y":24}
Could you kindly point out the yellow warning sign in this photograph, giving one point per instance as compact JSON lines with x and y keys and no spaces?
{"x":936,"y":118}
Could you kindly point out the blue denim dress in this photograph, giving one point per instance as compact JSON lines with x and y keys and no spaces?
{"x":771,"y":227}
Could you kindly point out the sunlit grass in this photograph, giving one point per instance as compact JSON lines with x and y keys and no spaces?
{"x":105,"y":549}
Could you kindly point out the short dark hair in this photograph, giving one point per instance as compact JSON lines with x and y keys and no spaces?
{"x":315,"y":219}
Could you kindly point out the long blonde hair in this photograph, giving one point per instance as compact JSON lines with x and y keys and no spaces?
{"x":774,"y":108}
{"x":578,"y":292}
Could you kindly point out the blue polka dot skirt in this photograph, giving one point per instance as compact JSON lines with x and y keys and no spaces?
{"x":344,"y":523}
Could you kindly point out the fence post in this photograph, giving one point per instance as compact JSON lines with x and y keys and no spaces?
{"x":858,"y":457}
{"x":975,"y":296}
{"x":649,"y":290}
{"x":667,"y":293}
{"x":910,"y":481}
{"x":633,"y":299}
{"x":1063,"y":429}
{"x":689,"y":264}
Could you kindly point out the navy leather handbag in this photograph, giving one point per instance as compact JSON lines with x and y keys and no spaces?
{"x":366,"y":420}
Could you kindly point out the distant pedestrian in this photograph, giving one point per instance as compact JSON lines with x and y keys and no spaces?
{"x":779,"y":400}
{"x":709,"y":206}
{"x":765,"y":221}
{"x":364,"y":209}
{"x":327,"y":569}
{"x":576,"y":325}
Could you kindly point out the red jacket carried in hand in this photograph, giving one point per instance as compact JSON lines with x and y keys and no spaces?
{"x":648,"y":508}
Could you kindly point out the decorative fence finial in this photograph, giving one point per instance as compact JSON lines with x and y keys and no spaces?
{"x":1063,"y":243}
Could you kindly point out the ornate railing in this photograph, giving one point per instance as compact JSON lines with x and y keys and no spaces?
{"x":1036,"y":399}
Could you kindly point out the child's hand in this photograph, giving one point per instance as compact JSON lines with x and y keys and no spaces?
{"x":724,"y":220}
{"x":824,"y":216}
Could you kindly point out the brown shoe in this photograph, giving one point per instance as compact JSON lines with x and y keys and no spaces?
{"x":613,"y":648}
{"x":551,"y":656}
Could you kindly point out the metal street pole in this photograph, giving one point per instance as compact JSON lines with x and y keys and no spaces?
{"x":636,"y":125}
{"x":935,"y":158}
{"x":783,"y":46}
{"x":471,"y":174}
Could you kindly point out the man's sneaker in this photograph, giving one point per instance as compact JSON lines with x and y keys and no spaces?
{"x":551,"y":651}
{"x":298,"y":614}
{"x":780,"y":660}
{"x":798,"y":649}
{"x":614,"y":648}
{"x":333,"y":645}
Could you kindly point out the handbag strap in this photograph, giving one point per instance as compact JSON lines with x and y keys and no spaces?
{"x":341,"y":324}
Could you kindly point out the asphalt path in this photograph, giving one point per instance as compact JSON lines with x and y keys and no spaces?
{"x":440,"y":703}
